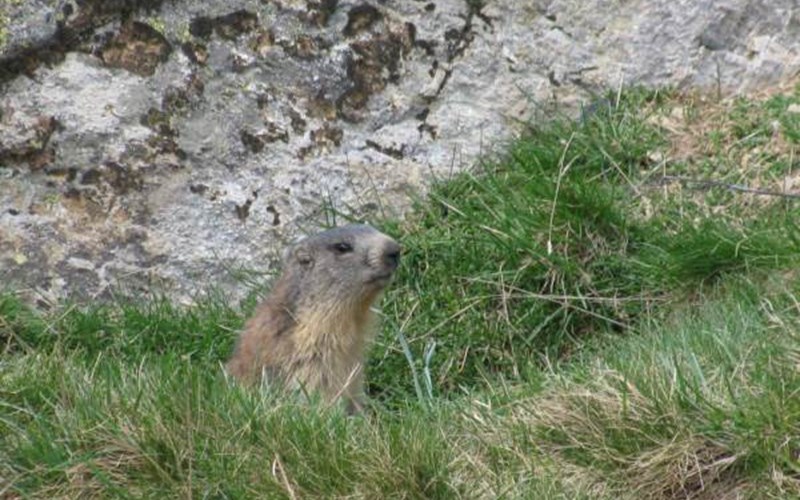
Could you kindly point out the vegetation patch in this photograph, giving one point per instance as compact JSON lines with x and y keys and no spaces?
{"x":580,"y":229}
{"x":607,"y":310}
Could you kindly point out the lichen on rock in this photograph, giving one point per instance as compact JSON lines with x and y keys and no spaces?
{"x":138,"y":48}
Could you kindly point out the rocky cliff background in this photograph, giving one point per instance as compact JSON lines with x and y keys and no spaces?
{"x":177,"y":142}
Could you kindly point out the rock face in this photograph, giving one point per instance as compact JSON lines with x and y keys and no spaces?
{"x":179,"y":142}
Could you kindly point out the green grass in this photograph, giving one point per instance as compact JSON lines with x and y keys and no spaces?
{"x":127,"y":330}
{"x":168,"y":427}
{"x":562,"y":238}
{"x":566,"y":324}
{"x":710,"y":399}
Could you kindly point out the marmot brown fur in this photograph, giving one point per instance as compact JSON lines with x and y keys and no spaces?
{"x":310,"y":332}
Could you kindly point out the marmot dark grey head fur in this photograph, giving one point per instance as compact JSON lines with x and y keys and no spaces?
{"x":352,"y":263}
{"x":311,"y":331}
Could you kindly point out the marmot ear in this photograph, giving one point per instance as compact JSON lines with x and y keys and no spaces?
{"x":302,"y":255}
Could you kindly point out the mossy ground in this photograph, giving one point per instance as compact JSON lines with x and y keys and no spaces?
{"x":608,"y":309}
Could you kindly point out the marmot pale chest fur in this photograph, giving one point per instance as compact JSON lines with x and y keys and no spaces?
{"x":310,"y":332}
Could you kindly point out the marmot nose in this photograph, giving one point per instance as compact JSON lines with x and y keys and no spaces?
{"x":391,"y":255}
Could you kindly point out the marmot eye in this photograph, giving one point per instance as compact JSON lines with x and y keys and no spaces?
{"x":343,"y":247}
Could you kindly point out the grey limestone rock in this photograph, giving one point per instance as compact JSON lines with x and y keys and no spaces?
{"x":176,"y":143}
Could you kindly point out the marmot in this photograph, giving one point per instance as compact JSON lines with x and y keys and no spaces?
{"x":310,"y":332}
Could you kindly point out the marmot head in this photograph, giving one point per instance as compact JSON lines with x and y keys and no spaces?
{"x":354,"y":261}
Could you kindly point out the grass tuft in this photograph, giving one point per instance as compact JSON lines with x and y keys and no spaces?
{"x":566,"y":236}
{"x":687,"y":410}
